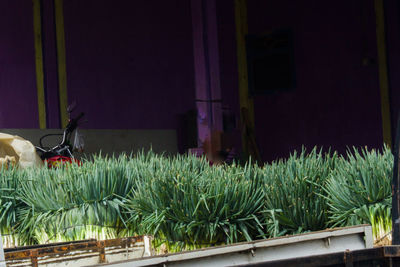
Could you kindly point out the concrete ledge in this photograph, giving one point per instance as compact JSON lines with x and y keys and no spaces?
{"x":109,"y":141}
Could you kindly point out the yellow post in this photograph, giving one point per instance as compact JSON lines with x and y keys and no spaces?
{"x":37,"y":29}
{"x":383,"y":72}
{"x":61,"y":61}
{"x":246,"y":103}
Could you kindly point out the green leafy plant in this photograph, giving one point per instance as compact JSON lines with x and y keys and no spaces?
{"x":10,"y":204}
{"x":294,"y":194}
{"x":75,"y":202}
{"x":188,"y":203}
{"x":359,"y":190}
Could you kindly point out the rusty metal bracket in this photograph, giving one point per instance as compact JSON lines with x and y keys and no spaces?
{"x":391,"y":251}
{"x":348,"y":258}
{"x":102,"y":251}
{"x":34,"y":258}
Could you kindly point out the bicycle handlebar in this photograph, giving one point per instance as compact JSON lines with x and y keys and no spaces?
{"x":71,"y":126}
{"x":73,"y":123}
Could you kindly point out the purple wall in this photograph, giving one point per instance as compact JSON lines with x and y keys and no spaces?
{"x":18,"y":99}
{"x":336,"y":102}
{"x":392,"y":10}
{"x":228,"y":67}
{"x":130,"y":66}
{"x":130,"y":63}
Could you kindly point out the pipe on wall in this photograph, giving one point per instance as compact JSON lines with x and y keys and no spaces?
{"x":383,"y":72}
{"x":61,"y":61}
{"x":41,"y":96}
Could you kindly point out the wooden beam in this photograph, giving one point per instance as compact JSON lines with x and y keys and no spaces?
{"x":37,"y":29}
{"x":383,"y":72}
{"x":201,"y":73}
{"x":246,"y":102}
{"x":61,"y":61}
{"x":395,"y":188}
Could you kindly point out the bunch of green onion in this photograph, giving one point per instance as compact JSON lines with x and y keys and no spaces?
{"x":185,"y":203}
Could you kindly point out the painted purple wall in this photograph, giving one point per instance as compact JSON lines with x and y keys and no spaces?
{"x":130,"y":63}
{"x":392,"y":11}
{"x":18,"y":99}
{"x":229,"y":67}
{"x":336,"y":102}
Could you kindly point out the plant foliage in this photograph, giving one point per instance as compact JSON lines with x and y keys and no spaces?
{"x":359,"y":190}
{"x":186,"y":203}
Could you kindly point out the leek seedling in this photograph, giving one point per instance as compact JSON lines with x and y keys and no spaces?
{"x":294,"y":195}
{"x":359,"y":190}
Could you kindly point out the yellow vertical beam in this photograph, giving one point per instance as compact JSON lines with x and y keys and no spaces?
{"x":61,"y":61}
{"x":37,"y":29}
{"x":383,"y":72}
{"x":241,"y":32}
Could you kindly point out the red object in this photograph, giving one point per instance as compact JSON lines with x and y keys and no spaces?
{"x":58,"y":161}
